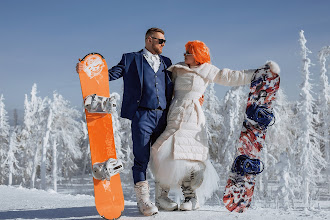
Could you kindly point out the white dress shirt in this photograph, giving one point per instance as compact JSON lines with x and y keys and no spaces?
{"x":152,"y":59}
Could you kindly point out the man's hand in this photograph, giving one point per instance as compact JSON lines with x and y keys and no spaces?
{"x":201,"y":100}
{"x":79,"y":67}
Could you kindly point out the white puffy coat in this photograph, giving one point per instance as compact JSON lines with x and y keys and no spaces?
{"x":186,"y":120}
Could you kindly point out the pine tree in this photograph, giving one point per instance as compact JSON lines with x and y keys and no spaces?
{"x":324,"y":103}
{"x":310,"y":157}
{"x":54,"y":164}
{"x":45,"y":148}
{"x":125,"y":133}
{"x":65,"y":137}
{"x":117,"y":129}
{"x":85,"y":148}
{"x":12,"y":160}
{"x":35,"y":115}
{"x":4,"y":140}
{"x":287,"y":180}
{"x":233,"y":109}
{"x":279,"y":153}
{"x":214,"y":123}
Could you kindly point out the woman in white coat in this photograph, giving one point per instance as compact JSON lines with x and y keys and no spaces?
{"x":180,"y":155}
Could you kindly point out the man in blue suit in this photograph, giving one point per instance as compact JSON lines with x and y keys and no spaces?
{"x":148,"y":91}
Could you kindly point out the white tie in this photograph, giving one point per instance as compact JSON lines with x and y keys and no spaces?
{"x":152,"y":59}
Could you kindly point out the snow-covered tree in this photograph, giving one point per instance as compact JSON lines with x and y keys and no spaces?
{"x":324,"y":103}
{"x":214,"y":120}
{"x":12,"y":159}
{"x":54,"y":164}
{"x":233,"y":109}
{"x":65,"y":135}
{"x":35,"y":118}
{"x":117,"y":133}
{"x":45,"y":147}
{"x":125,"y":133}
{"x":287,"y":181}
{"x":85,"y":148}
{"x":4,"y":139}
{"x":279,"y":153}
{"x":310,"y":158}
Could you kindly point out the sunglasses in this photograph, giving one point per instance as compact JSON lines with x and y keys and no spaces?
{"x":160,"y":41}
{"x":188,"y":54}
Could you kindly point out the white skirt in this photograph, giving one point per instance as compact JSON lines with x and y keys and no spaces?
{"x":170,"y":172}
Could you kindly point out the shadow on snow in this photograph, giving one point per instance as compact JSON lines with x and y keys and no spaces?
{"x":52,"y":213}
{"x":88,"y":212}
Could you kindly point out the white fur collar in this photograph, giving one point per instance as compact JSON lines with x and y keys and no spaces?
{"x":203,"y":70}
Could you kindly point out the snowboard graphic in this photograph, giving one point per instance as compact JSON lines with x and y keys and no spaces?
{"x":258,"y":116}
{"x":94,"y":79}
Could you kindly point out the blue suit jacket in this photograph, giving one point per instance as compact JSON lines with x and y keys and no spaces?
{"x":131,"y":69}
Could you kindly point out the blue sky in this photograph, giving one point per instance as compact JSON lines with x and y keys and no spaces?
{"x":41,"y":41}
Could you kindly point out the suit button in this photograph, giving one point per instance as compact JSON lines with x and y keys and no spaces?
{"x":137,"y":101}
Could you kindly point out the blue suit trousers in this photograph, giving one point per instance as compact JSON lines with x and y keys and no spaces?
{"x":147,"y":126}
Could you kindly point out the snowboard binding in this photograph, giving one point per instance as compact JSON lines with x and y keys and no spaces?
{"x":99,"y":104}
{"x":261,"y":115}
{"x":107,"y":169}
{"x":244,"y":165}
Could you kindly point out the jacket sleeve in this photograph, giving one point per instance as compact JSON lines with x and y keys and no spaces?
{"x":118,"y":71}
{"x":228,"y":77}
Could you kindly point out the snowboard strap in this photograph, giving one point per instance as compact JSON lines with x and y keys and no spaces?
{"x":99,"y":104}
{"x":107,"y":169}
{"x":244,"y":165}
{"x":260,"y":114}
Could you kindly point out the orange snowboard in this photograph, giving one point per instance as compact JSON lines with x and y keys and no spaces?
{"x":94,"y":79}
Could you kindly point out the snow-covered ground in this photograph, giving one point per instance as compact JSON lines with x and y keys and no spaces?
{"x":22,"y":203}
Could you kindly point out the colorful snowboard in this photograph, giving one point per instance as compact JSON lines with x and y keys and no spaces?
{"x":94,"y":79}
{"x":240,"y":185}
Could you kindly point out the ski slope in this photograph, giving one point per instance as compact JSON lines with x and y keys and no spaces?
{"x":21,"y":203}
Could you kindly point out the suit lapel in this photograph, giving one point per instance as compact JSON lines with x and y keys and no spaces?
{"x":139,"y":65}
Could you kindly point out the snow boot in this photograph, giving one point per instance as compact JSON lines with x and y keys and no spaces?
{"x":190,"y":198}
{"x":161,"y":199}
{"x":143,"y":199}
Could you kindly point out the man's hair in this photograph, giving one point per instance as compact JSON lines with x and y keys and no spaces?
{"x":150,"y":31}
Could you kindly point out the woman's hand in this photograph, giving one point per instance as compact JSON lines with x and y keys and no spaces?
{"x":79,"y":67}
{"x":201,"y":100}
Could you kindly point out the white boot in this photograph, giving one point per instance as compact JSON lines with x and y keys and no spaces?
{"x":161,"y":199}
{"x":190,"y":198}
{"x":143,"y":199}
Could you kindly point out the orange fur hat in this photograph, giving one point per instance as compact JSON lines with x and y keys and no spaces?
{"x":200,"y":51}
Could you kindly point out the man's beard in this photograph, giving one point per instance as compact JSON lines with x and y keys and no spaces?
{"x":156,"y":49}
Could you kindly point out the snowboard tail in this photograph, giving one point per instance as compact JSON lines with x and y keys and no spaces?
{"x":94,"y":79}
{"x":242,"y":178}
